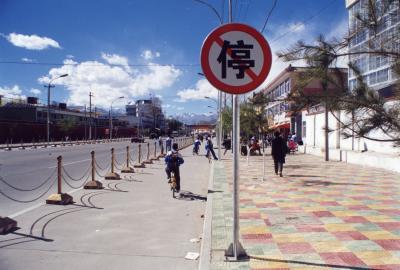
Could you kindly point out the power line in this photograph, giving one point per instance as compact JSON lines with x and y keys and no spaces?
{"x":269,"y":15}
{"x":95,"y":65}
{"x":305,"y":21}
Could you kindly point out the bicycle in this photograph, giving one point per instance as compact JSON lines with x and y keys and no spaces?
{"x":173,"y":184}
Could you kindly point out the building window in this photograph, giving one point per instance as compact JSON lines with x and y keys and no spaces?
{"x":304,"y":129}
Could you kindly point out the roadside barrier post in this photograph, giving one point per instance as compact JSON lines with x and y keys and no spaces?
{"x":148,"y":160}
{"x":155,"y":152}
{"x":140,"y":164}
{"x":93,"y":184}
{"x":59,"y":198}
{"x":112,"y":175}
{"x":127,"y":168}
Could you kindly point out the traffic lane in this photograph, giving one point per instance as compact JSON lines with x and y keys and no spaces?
{"x":25,"y":161}
{"x":35,"y":170}
{"x":144,"y":226}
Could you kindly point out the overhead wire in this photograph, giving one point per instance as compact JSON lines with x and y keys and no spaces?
{"x":269,"y":15}
{"x":300,"y":24}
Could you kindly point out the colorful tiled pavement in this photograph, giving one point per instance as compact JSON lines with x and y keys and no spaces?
{"x":320,"y":215}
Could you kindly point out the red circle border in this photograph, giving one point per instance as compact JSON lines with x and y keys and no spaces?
{"x":216,"y":33}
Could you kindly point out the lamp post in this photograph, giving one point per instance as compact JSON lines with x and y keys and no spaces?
{"x":219,"y":134}
{"x":111,"y":125}
{"x":49,"y":85}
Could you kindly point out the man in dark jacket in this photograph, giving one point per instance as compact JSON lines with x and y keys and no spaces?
{"x":278,"y":152}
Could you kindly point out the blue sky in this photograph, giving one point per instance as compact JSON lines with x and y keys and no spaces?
{"x":135,"y":48}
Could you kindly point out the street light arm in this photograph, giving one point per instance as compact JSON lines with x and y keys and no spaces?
{"x":213,"y":9}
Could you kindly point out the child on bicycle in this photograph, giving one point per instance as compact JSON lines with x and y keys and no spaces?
{"x":174,"y":159}
{"x":196,"y":146}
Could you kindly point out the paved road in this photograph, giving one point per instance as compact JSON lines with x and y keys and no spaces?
{"x":140,"y":227}
{"x":30,"y":168}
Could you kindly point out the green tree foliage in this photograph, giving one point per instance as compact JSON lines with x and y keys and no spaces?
{"x":252,"y":116}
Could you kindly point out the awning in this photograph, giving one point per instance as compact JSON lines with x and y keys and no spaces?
{"x":281,"y":126}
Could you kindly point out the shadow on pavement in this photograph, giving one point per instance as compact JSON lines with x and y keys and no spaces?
{"x":314,"y":264}
{"x":327,"y":183}
{"x":189,"y":196}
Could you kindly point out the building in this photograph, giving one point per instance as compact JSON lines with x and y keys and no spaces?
{"x":279,"y":114}
{"x":25,"y":120}
{"x":375,"y":69}
{"x":146,"y":114}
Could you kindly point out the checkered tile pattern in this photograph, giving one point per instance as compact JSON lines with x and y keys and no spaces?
{"x":320,"y":215}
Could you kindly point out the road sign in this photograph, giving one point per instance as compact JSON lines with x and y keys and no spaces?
{"x":236,"y":58}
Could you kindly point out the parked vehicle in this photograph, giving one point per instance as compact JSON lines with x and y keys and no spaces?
{"x":137,"y":140}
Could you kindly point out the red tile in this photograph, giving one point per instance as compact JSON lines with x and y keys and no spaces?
{"x":310,"y":228}
{"x":386,"y":267}
{"x":295,"y":248}
{"x":351,"y":259}
{"x":332,"y":258}
{"x":355,"y":219}
{"x":329,"y":203}
{"x":358,"y":207}
{"x":390,"y":226}
{"x":390,"y":212}
{"x":249,"y":215}
{"x":389,"y":244}
{"x":323,"y":214}
{"x":266,"y":205}
{"x":346,"y":236}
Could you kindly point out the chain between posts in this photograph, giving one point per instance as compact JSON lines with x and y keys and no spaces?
{"x":31,"y":189}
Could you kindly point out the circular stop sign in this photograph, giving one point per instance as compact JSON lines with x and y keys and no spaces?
{"x":236,"y":58}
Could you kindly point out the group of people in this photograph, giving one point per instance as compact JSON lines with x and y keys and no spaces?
{"x":173,"y":159}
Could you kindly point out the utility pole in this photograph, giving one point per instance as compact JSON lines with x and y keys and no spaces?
{"x":90,"y":115}
{"x":85,"y":124}
{"x":95,"y":123}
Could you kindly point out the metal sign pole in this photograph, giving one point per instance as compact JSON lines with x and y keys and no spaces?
{"x":235,"y":248}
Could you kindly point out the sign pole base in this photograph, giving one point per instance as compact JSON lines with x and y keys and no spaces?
{"x":241,"y":254}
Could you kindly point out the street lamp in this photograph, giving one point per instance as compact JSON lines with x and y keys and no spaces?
{"x":111,"y":125}
{"x":48,"y":104}
{"x":219,"y":134}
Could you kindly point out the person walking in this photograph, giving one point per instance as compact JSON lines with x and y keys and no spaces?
{"x":210,"y":148}
{"x":226,"y":144}
{"x":278,"y":152}
{"x":168,"y":143}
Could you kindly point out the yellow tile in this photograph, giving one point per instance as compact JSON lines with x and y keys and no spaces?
{"x":254,"y":229}
{"x":288,"y":238}
{"x":349,"y":202}
{"x":339,"y":227}
{"x":344,"y":213}
{"x":379,"y":235}
{"x":382,"y":218}
{"x":379,"y":206}
{"x":314,"y":208}
{"x":329,"y":246}
{"x":373,"y":257}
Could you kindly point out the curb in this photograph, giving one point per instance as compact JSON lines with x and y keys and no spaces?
{"x":205,"y":251}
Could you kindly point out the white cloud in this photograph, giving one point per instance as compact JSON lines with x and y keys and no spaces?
{"x":28,"y":60}
{"x":12,"y":92}
{"x":110,"y":82}
{"x":36,"y":92}
{"x":203,"y":88}
{"x":115,"y":59}
{"x":296,"y":27}
{"x":148,"y":54}
{"x":31,"y":42}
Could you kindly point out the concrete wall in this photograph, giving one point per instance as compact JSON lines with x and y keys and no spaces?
{"x":351,"y":150}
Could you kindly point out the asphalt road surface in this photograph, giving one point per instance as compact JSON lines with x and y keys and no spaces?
{"x":133,"y":223}
{"x":36,"y":169}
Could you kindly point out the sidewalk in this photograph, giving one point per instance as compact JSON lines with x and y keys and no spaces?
{"x":320,"y":215}
{"x":132,"y":223}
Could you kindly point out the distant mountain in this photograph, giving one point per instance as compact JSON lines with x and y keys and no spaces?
{"x":193,"y":118}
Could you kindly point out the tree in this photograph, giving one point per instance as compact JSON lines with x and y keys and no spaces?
{"x":66,"y":125}
{"x":369,"y":110}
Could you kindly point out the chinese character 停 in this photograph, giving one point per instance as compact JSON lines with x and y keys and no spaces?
{"x":240,"y":54}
